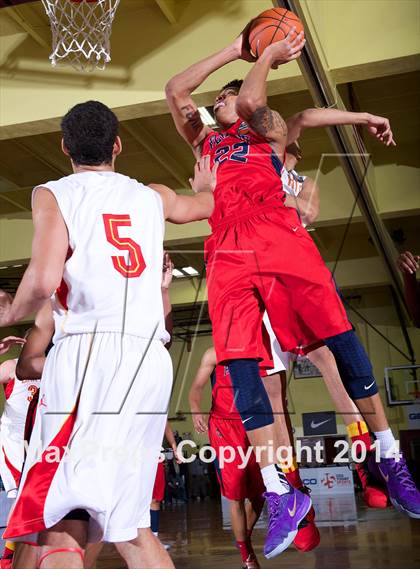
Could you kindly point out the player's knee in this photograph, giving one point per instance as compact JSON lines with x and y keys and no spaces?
{"x":251,"y":398}
{"x":353,"y":364}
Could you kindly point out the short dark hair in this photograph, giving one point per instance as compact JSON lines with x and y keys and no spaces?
{"x":236,"y":84}
{"x":89,"y":132}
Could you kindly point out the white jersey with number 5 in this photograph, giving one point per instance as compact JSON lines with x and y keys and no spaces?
{"x":112,"y":276}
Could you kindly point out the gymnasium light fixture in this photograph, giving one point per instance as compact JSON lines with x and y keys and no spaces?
{"x":177,"y":273}
{"x":206,"y":117}
{"x":190,"y":271}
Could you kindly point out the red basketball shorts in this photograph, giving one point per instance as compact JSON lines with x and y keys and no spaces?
{"x":160,"y":482}
{"x":268,"y":260}
{"x":236,"y":483}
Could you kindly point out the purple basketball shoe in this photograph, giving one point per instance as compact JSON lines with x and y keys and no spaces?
{"x":286,"y":511}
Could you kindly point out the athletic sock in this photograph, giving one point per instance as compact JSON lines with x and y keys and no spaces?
{"x":387,"y":444}
{"x":274,"y":481}
{"x":294,"y":479}
{"x":358,"y":431}
{"x":245,"y":549}
{"x":154,"y":521}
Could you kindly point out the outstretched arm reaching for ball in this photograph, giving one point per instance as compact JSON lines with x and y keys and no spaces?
{"x":378,"y":127}
{"x":195,"y":396}
{"x":183,"y":209}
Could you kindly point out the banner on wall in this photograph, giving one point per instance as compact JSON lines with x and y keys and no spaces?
{"x":412,"y":413}
{"x":320,"y":423}
{"x":328,"y":481}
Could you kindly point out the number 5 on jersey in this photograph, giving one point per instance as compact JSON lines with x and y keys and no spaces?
{"x":136,"y":264}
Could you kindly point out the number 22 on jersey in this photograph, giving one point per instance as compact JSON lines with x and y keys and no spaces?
{"x":136,"y":264}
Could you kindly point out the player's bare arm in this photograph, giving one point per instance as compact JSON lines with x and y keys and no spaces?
{"x":251,"y":104}
{"x":378,"y":127}
{"x":183,"y":209}
{"x":307,"y":202}
{"x":207,"y":365}
{"x":169,"y":436}
{"x":45,"y":270}
{"x":32,"y":358}
{"x":179,"y":89}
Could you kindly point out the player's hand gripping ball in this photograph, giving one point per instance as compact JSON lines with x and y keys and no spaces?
{"x":272,"y":26}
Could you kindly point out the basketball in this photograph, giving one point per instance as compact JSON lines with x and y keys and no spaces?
{"x":271,"y":26}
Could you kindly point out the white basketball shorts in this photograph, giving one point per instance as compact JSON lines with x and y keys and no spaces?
{"x":97,"y":436}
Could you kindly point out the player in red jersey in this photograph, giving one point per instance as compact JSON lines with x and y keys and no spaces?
{"x":260,"y":256}
{"x":239,"y":475}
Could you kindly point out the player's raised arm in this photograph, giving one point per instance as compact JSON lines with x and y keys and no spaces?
{"x":32,"y":358}
{"x":179,"y":89}
{"x":378,"y":127}
{"x":183,"y":209}
{"x":207,"y":365}
{"x":49,"y":249}
{"x":251,"y":104}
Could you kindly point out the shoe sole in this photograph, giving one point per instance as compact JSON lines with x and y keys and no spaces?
{"x":400,"y":508}
{"x":290,"y":536}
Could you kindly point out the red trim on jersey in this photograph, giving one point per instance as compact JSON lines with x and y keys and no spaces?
{"x":160,"y":483}
{"x":8,"y":388}
{"x":28,"y":513}
{"x":13,"y":471}
{"x":62,"y":291}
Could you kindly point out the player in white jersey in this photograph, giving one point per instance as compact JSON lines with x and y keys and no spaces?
{"x":18,"y":395}
{"x":98,"y":248}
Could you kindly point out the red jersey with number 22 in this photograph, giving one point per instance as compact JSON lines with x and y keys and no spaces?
{"x":249,"y":172}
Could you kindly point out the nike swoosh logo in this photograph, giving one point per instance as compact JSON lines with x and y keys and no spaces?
{"x":292,"y":512}
{"x":370,"y":385}
{"x":316,"y":425}
{"x":385,"y":476}
{"x":295,"y":229}
{"x":243,"y":422}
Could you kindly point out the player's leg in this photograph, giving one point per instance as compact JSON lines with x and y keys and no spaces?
{"x":234,"y":480}
{"x":144,"y":551}
{"x":374,"y":492}
{"x":356,"y":372}
{"x":63,"y":545}
{"x":308,"y":536}
{"x":25,"y":556}
{"x":253,"y":509}
{"x":92,"y":552}
{"x":158,"y":496}
{"x":236,"y":313}
{"x":238,"y":518}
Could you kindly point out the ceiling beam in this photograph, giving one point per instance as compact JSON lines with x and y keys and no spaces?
{"x":157,"y":150}
{"x":14,"y":14}
{"x":41,"y":153}
{"x":13,"y":202}
{"x":167,"y":7}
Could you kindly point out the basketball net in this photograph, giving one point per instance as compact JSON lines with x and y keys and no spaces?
{"x":81,"y":31}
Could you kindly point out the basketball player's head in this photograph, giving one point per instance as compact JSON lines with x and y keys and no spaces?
{"x":293,"y":155}
{"x":225,"y":104}
{"x":90,"y":135}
